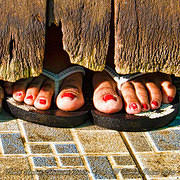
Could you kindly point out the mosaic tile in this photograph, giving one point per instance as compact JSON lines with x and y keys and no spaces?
{"x":123,"y":160}
{"x":9,"y":126}
{"x":101,"y":167}
{"x":139,"y":142}
{"x":44,"y":161}
{"x":60,"y":174}
{"x":128,"y":173}
{"x":40,"y":149}
{"x":40,"y":133}
{"x":160,"y":165}
{"x":15,"y":168}
{"x":101,"y":142}
{"x":166,"y":140}
{"x":66,"y":148}
{"x":12,"y":143}
{"x":71,"y":161}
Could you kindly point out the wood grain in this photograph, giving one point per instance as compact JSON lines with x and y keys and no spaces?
{"x":147,"y":36}
{"x":22,"y":38}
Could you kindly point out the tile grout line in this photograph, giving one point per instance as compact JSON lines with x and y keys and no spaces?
{"x":26,"y":146}
{"x":1,"y":147}
{"x":81,"y":152}
{"x":132,"y":154}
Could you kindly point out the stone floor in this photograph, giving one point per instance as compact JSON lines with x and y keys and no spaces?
{"x":32,"y":151}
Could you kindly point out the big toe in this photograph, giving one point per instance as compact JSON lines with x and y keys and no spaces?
{"x":105,"y":97}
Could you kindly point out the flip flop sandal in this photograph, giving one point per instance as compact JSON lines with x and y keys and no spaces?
{"x":52,"y":117}
{"x":143,"y":121}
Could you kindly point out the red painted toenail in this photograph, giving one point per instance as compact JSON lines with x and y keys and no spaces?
{"x":170,"y":99}
{"x":42,"y":101}
{"x":133,"y":106}
{"x":145,"y":106}
{"x":109,"y":97}
{"x":155,"y":103}
{"x":30,"y":97}
{"x":72,"y":96}
{"x":18,"y":94}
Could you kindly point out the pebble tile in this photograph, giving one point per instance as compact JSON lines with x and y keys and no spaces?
{"x":101,"y":167}
{"x":101,"y":142}
{"x":9,"y":126}
{"x":12,"y":143}
{"x":166,"y":140}
{"x":15,"y":168}
{"x":71,"y":161}
{"x":139,"y":142}
{"x":44,"y":161}
{"x":129,"y":173}
{"x":60,"y":174}
{"x":123,"y":160}
{"x":160,"y":165}
{"x":40,"y":149}
{"x":40,"y":133}
{"x":66,"y":148}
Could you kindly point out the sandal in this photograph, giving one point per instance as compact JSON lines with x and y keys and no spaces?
{"x":143,"y":121}
{"x":52,"y":117}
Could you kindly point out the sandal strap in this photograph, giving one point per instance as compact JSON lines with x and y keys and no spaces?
{"x":120,"y":79}
{"x":58,"y":78}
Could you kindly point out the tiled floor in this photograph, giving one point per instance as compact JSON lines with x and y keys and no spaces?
{"x":32,"y":151}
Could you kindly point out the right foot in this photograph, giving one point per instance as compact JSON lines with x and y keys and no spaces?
{"x":38,"y":92}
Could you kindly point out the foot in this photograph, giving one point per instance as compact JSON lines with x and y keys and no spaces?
{"x":144,"y":93}
{"x":38,"y":92}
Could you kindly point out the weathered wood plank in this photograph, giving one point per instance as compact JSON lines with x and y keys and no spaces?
{"x":147,"y":36}
{"x":85,"y":27}
{"x":22,"y":38}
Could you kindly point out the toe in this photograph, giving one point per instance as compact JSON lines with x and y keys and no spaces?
{"x":105,"y":97}
{"x":142,"y":95}
{"x":132,"y":104}
{"x":71,"y":97}
{"x":168,"y":91}
{"x":33,"y":90}
{"x":44,"y":97}
{"x":155,"y":95}
{"x":19,"y":89}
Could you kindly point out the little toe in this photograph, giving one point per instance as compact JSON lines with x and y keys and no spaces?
{"x":71,"y":97}
{"x":142,"y":95}
{"x":43,"y":100}
{"x":19,"y":89}
{"x":168,"y":91}
{"x":155,"y":95}
{"x":33,"y":90}
{"x":132,"y":104}
{"x":105,"y":97}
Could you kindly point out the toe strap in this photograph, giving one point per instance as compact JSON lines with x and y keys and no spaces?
{"x":57,"y":78}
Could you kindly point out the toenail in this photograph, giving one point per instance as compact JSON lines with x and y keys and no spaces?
{"x":145,"y":106}
{"x":109,"y":97}
{"x":155,"y":103}
{"x":18,"y":94}
{"x":170,"y":99}
{"x":72,"y":96}
{"x":30,"y":97}
{"x":42,"y":101}
{"x":133,"y":106}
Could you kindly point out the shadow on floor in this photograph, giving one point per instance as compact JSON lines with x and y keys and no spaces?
{"x":4,"y":116}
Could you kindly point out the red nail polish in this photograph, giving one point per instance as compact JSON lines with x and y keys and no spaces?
{"x":155,"y":103}
{"x":72,"y":96}
{"x":18,"y":94}
{"x":30,"y":97}
{"x":109,"y":97}
{"x":145,"y":106}
{"x":133,"y":106}
{"x":170,"y":99}
{"x":42,"y":101}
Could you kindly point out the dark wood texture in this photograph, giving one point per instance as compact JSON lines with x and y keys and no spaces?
{"x":85,"y":27}
{"x":147,"y":36}
{"x":22,"y":38}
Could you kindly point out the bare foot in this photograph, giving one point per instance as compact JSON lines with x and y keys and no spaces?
{"x":144,"y":93}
